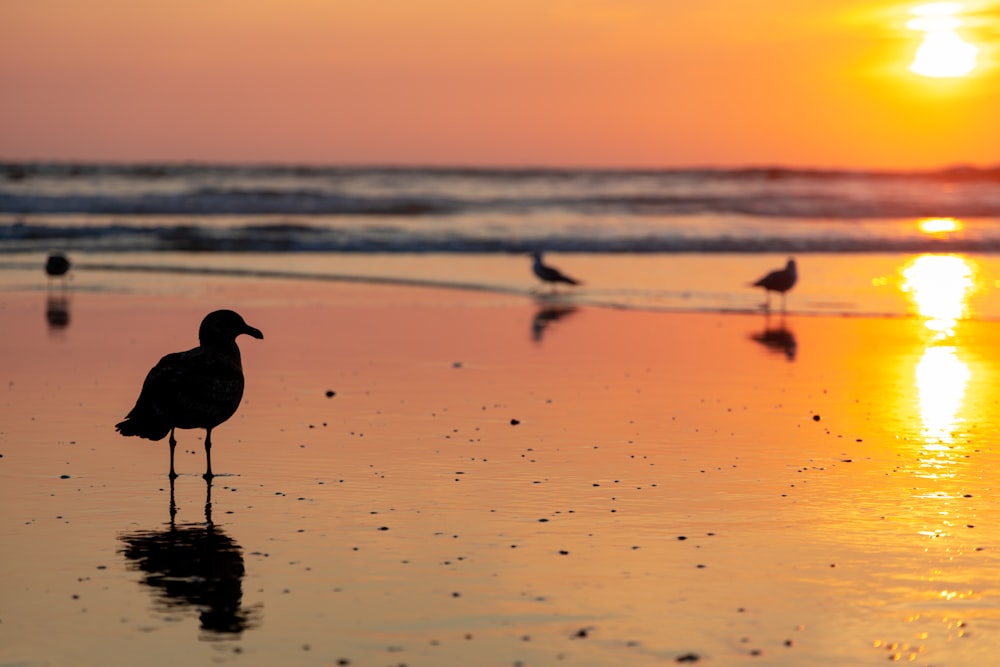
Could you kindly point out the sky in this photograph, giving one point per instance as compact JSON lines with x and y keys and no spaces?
{"x":573,"y":83}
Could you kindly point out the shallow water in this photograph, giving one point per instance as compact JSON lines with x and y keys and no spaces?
{"x":676,"y":485}
{"x":839,"y":284}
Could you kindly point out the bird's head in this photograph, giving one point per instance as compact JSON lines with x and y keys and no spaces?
{"x":223,"y":326}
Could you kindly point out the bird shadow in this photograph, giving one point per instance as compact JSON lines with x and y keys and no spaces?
{"x":549,"y":312}
{"x":193,"y":566}
{"x":777,"y":338}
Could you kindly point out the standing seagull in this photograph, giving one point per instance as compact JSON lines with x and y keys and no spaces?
{"x":780,"y":280}
{"x":200,"y":388}
{"x":550,"y":274}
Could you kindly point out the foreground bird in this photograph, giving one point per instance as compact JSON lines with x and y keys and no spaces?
{"x":199,"y":388}
{"x":550,"y":274}
{"x":780,"y":280}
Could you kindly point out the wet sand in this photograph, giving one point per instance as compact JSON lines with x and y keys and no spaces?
{"x":497,"y":480}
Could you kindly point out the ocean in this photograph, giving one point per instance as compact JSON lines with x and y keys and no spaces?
{"x":322,"y":222}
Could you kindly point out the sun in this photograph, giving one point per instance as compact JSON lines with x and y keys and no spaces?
{"x":943,"y":53}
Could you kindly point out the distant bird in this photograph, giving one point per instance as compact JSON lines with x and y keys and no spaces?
{"x":550,"y":274}
{"x":199,"y":388}
{"x":780,"y":280}
{"x":57,"y":265}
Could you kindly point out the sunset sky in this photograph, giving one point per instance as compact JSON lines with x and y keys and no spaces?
{"x":618,"y":83}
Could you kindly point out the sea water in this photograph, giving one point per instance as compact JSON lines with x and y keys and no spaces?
{"x":651,"y":239}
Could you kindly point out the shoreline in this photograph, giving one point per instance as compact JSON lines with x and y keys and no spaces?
{"x":876,"y":285}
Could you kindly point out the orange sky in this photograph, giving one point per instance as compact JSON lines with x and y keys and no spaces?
{"x":493,"y":82}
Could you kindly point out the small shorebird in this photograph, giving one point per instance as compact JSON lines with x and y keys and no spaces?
{"x":780,"y":280}
{"x":199,"y":388}
{"x":550,"y":274}
{"x":57,"y":266}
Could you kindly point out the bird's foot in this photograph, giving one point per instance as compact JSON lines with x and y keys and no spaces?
{"x":208,"y":476}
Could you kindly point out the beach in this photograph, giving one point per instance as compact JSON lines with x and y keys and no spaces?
{"x":423,"y":475}
{"x":591,"y":334}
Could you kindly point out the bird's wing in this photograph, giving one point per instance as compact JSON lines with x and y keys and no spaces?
{"x":567,"y":279}
{"x":768,"y":279}
{"x":552,"y":274}
{"x":164,"y":384}
{"x":150,"y":417}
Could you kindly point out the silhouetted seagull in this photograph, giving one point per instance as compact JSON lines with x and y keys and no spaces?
{"x":550,"y":274}
{"x":57,"y":265}
{"x":200,"y":388}
{"x":780,"y":280}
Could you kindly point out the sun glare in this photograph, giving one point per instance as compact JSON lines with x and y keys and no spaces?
{"x":936,"y":226}
{"x":940,"y":287}
{"x":943,"y":53}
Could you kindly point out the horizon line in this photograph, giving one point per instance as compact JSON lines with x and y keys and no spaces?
{"x":7,"y":163}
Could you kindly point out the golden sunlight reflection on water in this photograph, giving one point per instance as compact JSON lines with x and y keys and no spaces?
{"x":941,"y":378}
{"x":939,"y":226}
{"x":939,"y":287}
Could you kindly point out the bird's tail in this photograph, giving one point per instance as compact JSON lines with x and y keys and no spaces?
{"x":143,"y":428}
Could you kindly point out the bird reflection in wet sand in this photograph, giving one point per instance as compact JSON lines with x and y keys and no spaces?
{"x":193,"y":566}
{"x":57,"y":311}
{"x":547,"y":315}
{"x":777,"y":338}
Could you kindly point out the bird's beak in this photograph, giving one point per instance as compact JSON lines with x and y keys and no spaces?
{"x":255,"y":333}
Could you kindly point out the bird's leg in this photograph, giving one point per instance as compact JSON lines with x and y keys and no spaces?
{"x":208,"y":455}
{"x":173,"y":444}
{"x":173,"y":505}
{"x":208,"y":501}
